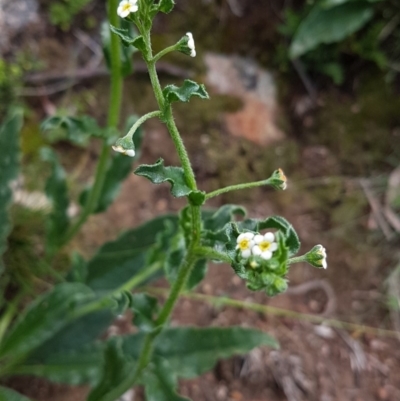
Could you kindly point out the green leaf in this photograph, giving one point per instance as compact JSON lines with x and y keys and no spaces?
{"x":9,"y":166}
{"x":127,"y":39}
{"x":118,"y":261}
{"x":78,"y":271}
{"x":7,"y":394}
{"x":119,"y":168}
{"x":160,"y":382}
{"x":68,"y":367}
{"x":77,"y":130}
{"x":157,"y":173}
{"x":189,"y":88}
{"x":57,"y":192}
{"x":44,"y":318}
{"x":197,"y":274}
{"x":126,"y":52}
{"x":329,"y":25}
{"x":166,"y":6}
{"x":191,"y":351}
{"x":291,"y":238}
{"x":144,"y":307}
{"x":117,"y":366}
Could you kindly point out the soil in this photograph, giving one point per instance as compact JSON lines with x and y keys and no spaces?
{"x":324,"y":202}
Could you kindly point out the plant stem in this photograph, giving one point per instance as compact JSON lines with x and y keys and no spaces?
{"x":272,"y":310}
{"x":162,"y":53}
{"x":237,"y":187}
{"x":297,"y":259}
{"x":141,"y":120}
{"x":112,"y":121}
{"x":212,"y":254}
{"x":169,"y":119}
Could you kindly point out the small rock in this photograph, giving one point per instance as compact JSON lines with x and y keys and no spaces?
{"x":243,"y":78}
{"x":222,"y":392}
{"x":383,"y":394}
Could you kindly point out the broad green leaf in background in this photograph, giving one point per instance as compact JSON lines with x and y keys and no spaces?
{"x":191,"y":351}
{"x":126,"y":52}
{"x":118,"y":261}
{"x":173,"y":93}
{"x":77,"y":130}
{"x":7,"y":394}
{"x":117,"y":366}
{"x":57,"y":192}
{"x":329,"y":25}
{"x":44,"y":318}
{"x":157,"y":173}
{"x":119,"y":168}
{"x":160,"y":382}
{"x":68,"y":367}
{"x":9,"y":165}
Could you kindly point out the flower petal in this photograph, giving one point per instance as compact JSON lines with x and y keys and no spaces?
{"x":273,"y":247}
{"x":246,"y":253}
{"x":258,"y":239}
{"x":249,"y":235}
{"x":266,"y":255}
{"x":256,"y":250}
{"x":270,"y":237}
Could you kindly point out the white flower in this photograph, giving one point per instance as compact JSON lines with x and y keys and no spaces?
{"x":283,"y":178}
{"x":264,"y":246}
{"x":322,"y":252}
{"x":191,"y":45}
{"x":245,"y":243}
{"x":128,"y":152}
{"x":126,"y":7}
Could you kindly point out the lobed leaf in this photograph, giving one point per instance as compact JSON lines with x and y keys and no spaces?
{"x":57,"y":192}
{"x":9,"y":166}
{"x":127,"y":39}
{"x":329,"y":25}
{"x":166,"y":6}
{"x":157,"y":173}
{"x":126,"y":52}
{"x":77,"y":130}
{"x":189,"y":88}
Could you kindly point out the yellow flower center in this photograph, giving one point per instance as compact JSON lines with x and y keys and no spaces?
{"x":244,"y":244}
{"x":264,"y":246}
{"x":126,"y":7}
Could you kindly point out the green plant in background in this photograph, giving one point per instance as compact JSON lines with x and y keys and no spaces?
{"x":325,"y":30}
{"x":63,"y":12}
{"x":57,"y":335}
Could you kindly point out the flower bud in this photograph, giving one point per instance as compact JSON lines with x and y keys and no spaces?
{"x":186,"y":45}
{"x":125,"y":146}
{"x":278,"y":180}
{"x":317,"y":257}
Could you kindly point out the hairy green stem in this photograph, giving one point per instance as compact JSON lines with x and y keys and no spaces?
{"x":141,"y":120}
{"x":112,"y":121}
{"x":237,"y":187}
{"x":297,"y":259}
{"x":162,"y":53}
{"x":212,"y":254}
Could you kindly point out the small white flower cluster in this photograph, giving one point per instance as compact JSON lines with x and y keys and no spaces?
{"x":128,"y":152}
{"x":257,"y":245}
{"x":126,"y":7}
{"x":191,"y":45}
